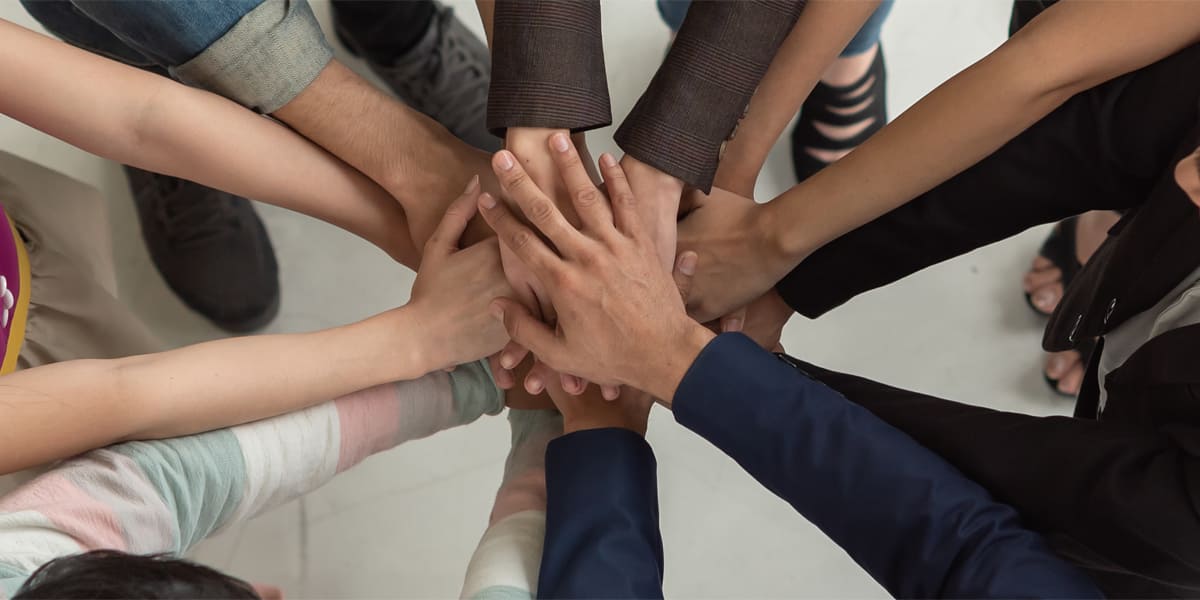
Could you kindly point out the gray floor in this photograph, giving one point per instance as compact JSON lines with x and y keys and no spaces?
{"x":404,"y":524}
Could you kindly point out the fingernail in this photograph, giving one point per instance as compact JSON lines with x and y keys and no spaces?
{"x":506,"y":360}
{"x":504,"y":160}
{"x":687,"y":264}
{"x":487,"y":200}
{"x":559,"y":141}
{"x":498,"y":312}
{"x":533,"y":384}
{"x":471,"y":185}
{"x":607,"y":160}
{"x":733,"y":325}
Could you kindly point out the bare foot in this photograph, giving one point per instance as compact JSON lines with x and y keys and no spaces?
{"x":1044,"y":285}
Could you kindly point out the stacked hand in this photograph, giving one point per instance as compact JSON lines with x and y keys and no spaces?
{"x":621,"y":320}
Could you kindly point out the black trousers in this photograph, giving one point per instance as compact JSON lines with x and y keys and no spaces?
{"x":1121,"y":498}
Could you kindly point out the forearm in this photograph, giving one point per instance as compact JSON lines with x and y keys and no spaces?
{"x":602,"y":493}
{"x":411,"y":156}
{"x":547,"y":66}
{"x":65,"y":408}
{"x":144,"y":120}
{"x":188,"y":487}
{"x":487,"y":14}
{"x":937,"y":534}
{"x":1074,"y":45}
{"x":820,"y":34}
{"x":702,"y":89}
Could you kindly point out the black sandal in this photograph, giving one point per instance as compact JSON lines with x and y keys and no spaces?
{"x":1085,"y":349}
{"x":819,"y":108}
{"x":1059,"y":249}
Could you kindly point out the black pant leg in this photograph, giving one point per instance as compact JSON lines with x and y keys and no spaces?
{"x":1103,"y":149}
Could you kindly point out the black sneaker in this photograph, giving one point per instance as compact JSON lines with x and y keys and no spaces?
{"x":445,"y":76}
{"x":210,"y":247}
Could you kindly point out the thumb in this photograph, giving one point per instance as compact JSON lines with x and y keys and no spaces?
{"x":525,"y":329}
{"x":685,"y":270}
{"x":445,"y":238}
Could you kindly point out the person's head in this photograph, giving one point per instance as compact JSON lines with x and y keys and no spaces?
{"x":112,"y":575}
{"x":1187,"y":175}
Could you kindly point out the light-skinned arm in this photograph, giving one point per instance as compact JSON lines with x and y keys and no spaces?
{"x":819,"y":36}
{"x":1072,"y":46}
{"x":418,"y":162}
{"x":138,"y":118}
{"x":59,"y":410}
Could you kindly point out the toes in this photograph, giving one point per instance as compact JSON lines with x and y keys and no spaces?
{"x":1040,"y":278}
{"x":1072,"y":381}
{"x":1046,"y":298}
{"x":1058,"y":364}
{"x":1041,"y":263}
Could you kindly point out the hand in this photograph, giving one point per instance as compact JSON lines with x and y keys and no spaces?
{"x":468,"y":162}
{"x":737,"y":262}
{"x":761,"y":320}
{"x":589,"y":411}
{"x":658,"y":197}
{"x":453,"y":289}
{"x":532,"y":147}
{"x":621,"y":319}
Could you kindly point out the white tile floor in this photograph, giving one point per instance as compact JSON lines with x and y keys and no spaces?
{"x":404,"y":524}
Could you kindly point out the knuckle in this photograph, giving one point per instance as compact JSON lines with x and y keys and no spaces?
{"x":626,"y":198}
{"x":516,"y":179}
{"x":541,"y":212}
{"x":521,"y":239}
{"x":587,"y":197}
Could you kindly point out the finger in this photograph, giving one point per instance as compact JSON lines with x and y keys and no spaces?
{"x":624,"y":204}
{"x":538,"y":208}
{"x":511,"y":355}
{"x":734,"y":320}
{"x":534,"y":384}
{"x":685,"y":271}
{"x":572,"y":384}
{"x":503,"y":377}
{"x":524,"y":329}
{"x":588,"y":200}
{"x":445,"y":238}
{"x":518,"y":238}
{"x":610,"y":392}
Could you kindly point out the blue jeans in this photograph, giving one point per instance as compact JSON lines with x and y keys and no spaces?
{"x":133,"y":32}
{"x":673,"y":12}
{"x":260,"y":53}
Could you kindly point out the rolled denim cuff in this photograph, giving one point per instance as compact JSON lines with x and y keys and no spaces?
{"x":265,"y":60}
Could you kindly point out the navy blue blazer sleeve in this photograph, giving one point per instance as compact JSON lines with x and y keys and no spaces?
{"x":916,"y":524}
{"x":602,"y":536}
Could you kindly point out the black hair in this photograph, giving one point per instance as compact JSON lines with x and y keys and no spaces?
{"x":113,"y":575}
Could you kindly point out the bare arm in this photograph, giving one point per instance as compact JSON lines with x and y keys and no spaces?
{"x":487,"y":11}
{"x":819,"y":36}
{"x":1072,"y":46}
{"x":414,"y":158}
{"x":151,"y":122}
{"x":59,"y":410}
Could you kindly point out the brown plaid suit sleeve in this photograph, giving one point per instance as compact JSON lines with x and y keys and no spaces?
{"x":696,"y":99}
{"x":547,"y":66}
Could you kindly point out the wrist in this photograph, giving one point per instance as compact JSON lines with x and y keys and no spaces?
{"x":401,"y":343}
{"x":738,"y":180}
{"x":668,"y":369}
{"x":785,"y":242}
{"x":524,"y":140}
